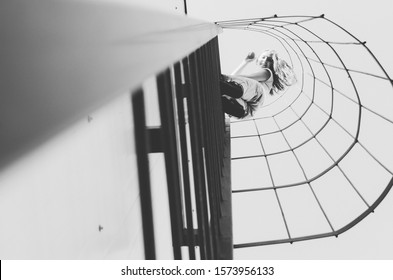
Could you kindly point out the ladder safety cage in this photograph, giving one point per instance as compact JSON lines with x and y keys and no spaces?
{"x":320,"y":147}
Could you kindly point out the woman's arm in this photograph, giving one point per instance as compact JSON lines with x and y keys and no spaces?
{"x":240,"y":68}
{"x":250,"y":57}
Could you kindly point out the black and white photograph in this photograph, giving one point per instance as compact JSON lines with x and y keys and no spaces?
{"x":164,"y":130}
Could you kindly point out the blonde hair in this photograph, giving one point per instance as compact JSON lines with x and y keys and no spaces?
{"x":283,"y":75}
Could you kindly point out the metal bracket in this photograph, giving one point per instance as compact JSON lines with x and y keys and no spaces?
{"x":154,"y":138}
{"x":190,"y":240}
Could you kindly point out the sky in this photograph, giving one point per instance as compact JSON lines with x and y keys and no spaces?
{"x":369,"y":20}
{"x":371,"y":238}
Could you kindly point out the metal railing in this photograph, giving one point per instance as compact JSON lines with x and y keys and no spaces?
{"x":195,"y":80}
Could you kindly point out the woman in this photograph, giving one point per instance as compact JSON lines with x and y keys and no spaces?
{"x":244,"y":94}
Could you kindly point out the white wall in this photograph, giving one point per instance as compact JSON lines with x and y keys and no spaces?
{"x":53,"y":201}
{"x":170,"y":6}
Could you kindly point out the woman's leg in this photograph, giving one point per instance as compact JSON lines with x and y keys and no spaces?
{"x":233,"y":108}
{"x":231,"y":89}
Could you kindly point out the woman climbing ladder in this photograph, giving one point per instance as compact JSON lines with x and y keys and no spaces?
{"x":242,"y":95}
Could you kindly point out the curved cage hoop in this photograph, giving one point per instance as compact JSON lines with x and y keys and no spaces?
{"x":316,"y":160}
